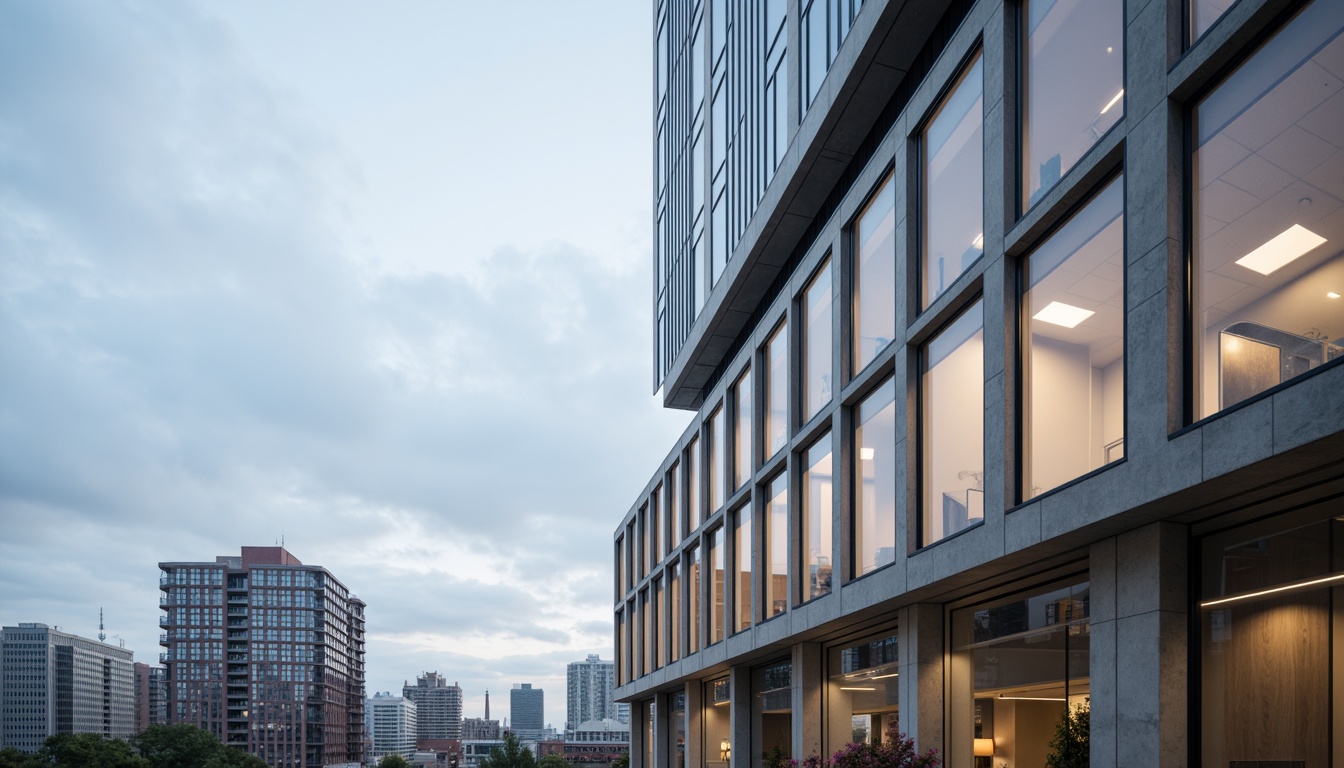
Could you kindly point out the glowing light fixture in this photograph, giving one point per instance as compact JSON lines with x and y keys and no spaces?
{"x":984,"y":747}
{"x":1031,"y":698}
{"x":1283,"y":248}
{"x":725,"y":750}
{"x":884,"y":677}
{"x":1331,"y":295}
{"x":866,"y":454}
{"x":1273,"y":590}
{"x":1112,"y":102}
{"x":857,"y":688}
{"x":979,"y":242}
{"x":1066,"y":315}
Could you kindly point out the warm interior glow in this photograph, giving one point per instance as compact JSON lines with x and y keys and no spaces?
{"x":1111,"y":103}
{"x":1272,"y":590}
{"x":1331,"y":295}
{"x":856,"y":688}
{"x":984,"y":747}
{"x":866,"y":454}
{"x":1006,"y":697}
{"x":1066,"y":315}
{"x":1281,"y":249}
{"x":979,"y":241}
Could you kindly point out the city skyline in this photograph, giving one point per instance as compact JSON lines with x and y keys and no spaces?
{"x":286,"y":293}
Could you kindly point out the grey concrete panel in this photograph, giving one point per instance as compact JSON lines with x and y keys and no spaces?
{"x":1309,"y":410}
{"x":1153,"y":170}
{"x":1146,"y":379}
{"x":1238,"y":439}
{"x":1146,"y":277}
{"x":998,"y":184}
{"x":859,"y":112}
{"x":1022,"y":528}
{"x":1137,"y":712}
{"x":1145,"y":60}
{"x":1151,"y":570}
{"x":1104,"y":738}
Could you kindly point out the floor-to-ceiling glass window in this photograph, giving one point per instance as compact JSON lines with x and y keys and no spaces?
{"x":1268,"y":234}
{"x":1270,"y":605}
{"x":814,"y":532}
{"x":715,"y":562}
{"x":1203,"y":13}
{"x":674,"y":623}
{"x":1074,"y":349}
{"x":693,"y":568}
{"x":775,"y":570}
{"x":861,"y":685}
{"x":952,"y":207}
{"x":654,"y":528}
{"x":693,"y":489}
{"x":649,"y":711}
{"x":776,"y":385}
{"x":952,"y":427}
{"x":716,"y":733}
{"x":771,"y":712}
{"x":817,"y":343}
{"x":1019,"y":665}
{"x":742,"y":432}
{"x":655,"y":616}
{"x":742,"y":568}
{"x":677,"y":725}
{"x":716,"y":462}
{"x":1073,"y":78}
{"x":874,"y":518}
{"x":873,"y":264}
{"x":675,"y":531}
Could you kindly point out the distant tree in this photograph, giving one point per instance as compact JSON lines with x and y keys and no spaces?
{"x":553,"y":761}
{"x":621,"y":762}
{"x":86,"y":750}
{"x":13,"y":758}
{"x":512,"y":755}
{"x":186,"y":746}
{"x":394,"y":761}
{"x":233,"y":757}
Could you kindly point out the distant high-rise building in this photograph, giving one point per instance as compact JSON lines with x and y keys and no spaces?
{"x":267,"y":654}
{"x":527,"y":711}
{"x":589,"y":693}
{"x":391,"y":721}
{"x":479,"y":729}
{"x":53,"y":682}
{"x":151,"y":691}
{"x":438,"y":705}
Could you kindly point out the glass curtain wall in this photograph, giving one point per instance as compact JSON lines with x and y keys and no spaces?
{"x":815,"y":529}
{"x":817,"y":343}
{"x":655,"y":621}
{"x":1271,"y":642}
{"x":742,"y":433}
{"x":677,"y":718}
{"x":675,"y":532}
{"x":861,"y":690}
{"x":952,"y":427}
{"x":1074,"y":347}
{"x":692,"y":599}
{"x":1268,"y":233}
{"x":742,"y":568}
{"x":693,"y":490}
{"x":716,"y":463}
{"x":1018,"y":664}
{"x":776,"y":386}
{"x":1073,"y":83}
{"x":952,"y":145}
{"x":717,"y":616}
{"x":874,"y":275}
{"x":674,"y":622}
{"x":717,"y":726}
{"x":874,"y":520}
{"x":771,"y":713}
{"x":775,"y":571}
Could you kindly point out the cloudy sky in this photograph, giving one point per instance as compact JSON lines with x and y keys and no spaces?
{"x":372,"y":277}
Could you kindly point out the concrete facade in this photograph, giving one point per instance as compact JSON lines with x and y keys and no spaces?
{"x":1115,"y":570}
{"x":53,"y":682}
{"x":392,"y":725}
{"x":439,"y":706}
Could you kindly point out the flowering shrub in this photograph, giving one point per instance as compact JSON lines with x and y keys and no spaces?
{"x":897,"y":751}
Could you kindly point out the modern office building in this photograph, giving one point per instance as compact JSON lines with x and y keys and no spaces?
{"x":438,"y":704}
{"x":267,"y":654}
{"x":527,"y":711}
{"x":151,"y":691}
{"x":588,"y":693}
{"x":53,"y":682}
{"x":391,"y":722}
{"x":1011,"y":330}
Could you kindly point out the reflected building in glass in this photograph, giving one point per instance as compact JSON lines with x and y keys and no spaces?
{"x":1012,"y":333}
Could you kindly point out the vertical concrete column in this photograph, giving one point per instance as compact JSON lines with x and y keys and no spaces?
{"x":1139,"y":648}
{"x":638,"y":735}
{"x":662,"y":730}
{"x":695,"y":730}
{"x":808,"y":685}
{"x":739,"y":680}
{"x":922,"y":684}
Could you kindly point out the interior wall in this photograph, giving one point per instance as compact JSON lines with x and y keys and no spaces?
{"x":1062,"y":447}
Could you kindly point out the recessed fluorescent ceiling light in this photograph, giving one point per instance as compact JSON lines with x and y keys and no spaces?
{"x":1286,"y":246}
{"x":1331,"y":295}
{"x":866,"y":454}
{"x":1059,"y":313}
{"x":1111,"y":103}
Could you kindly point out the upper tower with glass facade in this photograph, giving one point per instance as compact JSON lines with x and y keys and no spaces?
{"x":1013,"y":331}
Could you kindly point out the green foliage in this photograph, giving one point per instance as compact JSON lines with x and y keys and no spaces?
{"x":511,"y":755}
{"x":186,"y":746}
{"x":233,"y":757}
{"x":621,"y":762}
{"x":393,"y":761}
{"x":553,"y":761}
{"x":776,"y":758}
{"x":85,"y":750}
{"x":13,"y":758}
{"x":1069,"y":748}
{"x":896,"y":751}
